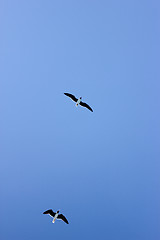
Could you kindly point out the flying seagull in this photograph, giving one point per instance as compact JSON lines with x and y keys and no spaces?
{"x":78,"y":101}
{"x":56,"y":216}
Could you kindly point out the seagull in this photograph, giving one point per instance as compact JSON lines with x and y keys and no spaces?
{"x":56,"y":216}
{"x":78,"y":101}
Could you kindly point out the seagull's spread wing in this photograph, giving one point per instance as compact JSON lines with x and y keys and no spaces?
{"x":50,"y":212}
{"x":71,"y":96}
{"x":86,"y":105}
{"x":61,"y":216}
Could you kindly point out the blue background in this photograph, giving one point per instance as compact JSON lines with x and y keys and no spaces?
{"x":100,"y":169}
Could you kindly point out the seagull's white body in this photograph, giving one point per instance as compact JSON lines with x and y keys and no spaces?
{"x":78,"y":102}
{"x":54,"y":219}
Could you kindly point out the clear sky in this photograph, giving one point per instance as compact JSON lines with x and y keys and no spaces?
{"x":101,"y":169}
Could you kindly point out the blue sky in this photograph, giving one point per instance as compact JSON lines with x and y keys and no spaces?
{"x":102,"y":168}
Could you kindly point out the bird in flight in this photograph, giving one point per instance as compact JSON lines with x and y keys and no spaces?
{"x":78,"y":101}
{"x":56,"y":216}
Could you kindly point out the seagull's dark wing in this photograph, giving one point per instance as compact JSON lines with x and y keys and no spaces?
{"x":50,"y":212}
{"x":61,"y":216}
{"x":86,"y":105}
{"x":71,"y":96}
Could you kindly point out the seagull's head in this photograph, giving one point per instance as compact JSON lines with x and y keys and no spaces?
{"x":80,"y":97}
{"x":58,"y":211}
